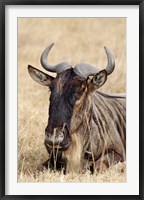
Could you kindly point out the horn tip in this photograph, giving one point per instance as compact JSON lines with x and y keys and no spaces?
{"x":105,"y":48}
{"x":51,"y":44}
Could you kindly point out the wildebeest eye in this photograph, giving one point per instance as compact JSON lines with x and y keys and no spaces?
{"x":76,"y":96}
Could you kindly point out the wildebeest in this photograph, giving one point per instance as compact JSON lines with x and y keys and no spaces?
{"x":86,"y":128}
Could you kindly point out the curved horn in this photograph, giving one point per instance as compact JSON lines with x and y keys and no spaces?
{"x":52,"y":68}
{"x":86,"y":70}
{"x":111,"y":62}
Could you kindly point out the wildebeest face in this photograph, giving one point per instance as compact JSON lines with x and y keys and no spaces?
{"x":66,"y":90}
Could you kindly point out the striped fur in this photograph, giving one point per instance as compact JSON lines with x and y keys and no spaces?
{"x":102,"y":129}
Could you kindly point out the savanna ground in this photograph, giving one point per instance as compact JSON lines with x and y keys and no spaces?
{"x":76,"y":40}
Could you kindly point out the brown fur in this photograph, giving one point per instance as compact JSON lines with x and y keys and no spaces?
{"x":74,"y":154}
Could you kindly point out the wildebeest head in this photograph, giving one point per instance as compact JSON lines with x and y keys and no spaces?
{"x":69,"y":93}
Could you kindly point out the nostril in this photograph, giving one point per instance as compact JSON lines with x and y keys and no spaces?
{"x":61,"y":134}
{"x":49,"y":140}
{"x":65,"y":130}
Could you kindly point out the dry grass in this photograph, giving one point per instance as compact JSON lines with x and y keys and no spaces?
{"x":76,"y":40}
{"x":114,"y":174}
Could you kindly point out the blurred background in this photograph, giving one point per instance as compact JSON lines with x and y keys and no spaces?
{"x":76,"y":40}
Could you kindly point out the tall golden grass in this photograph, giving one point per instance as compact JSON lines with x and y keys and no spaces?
{"x":76,"y":40}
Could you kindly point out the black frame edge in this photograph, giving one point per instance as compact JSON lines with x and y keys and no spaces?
{"x":141,"y":99}
{"x":72,"y":2}
{"x":72,"y":197}
{"x":2,"y":100}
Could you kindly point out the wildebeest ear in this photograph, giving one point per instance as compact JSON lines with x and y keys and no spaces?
{"x":98,"y":80}
{"x":39,"y":76}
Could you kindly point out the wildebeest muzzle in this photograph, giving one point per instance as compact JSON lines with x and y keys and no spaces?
{"x":57,"y":137}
